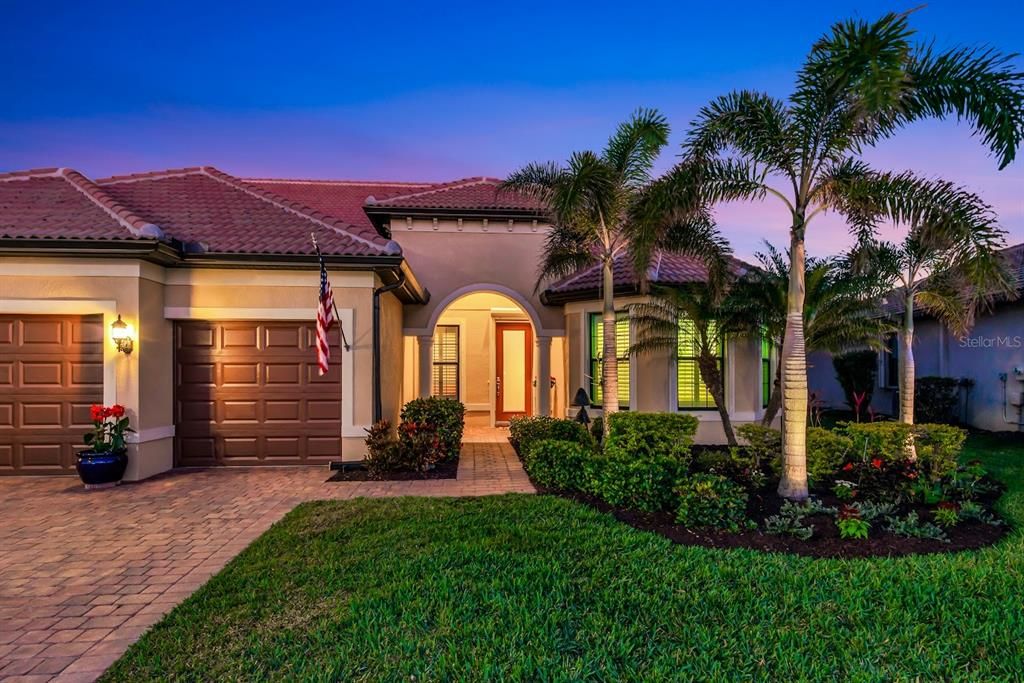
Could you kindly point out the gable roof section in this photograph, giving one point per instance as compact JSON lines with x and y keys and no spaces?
{"x":343,"y":199}
{"x":211,"y":211}
{"x":61,"y":203}
{"x":468,"y":194}
{"x":666,"y":269}
{"x":893,"y":304}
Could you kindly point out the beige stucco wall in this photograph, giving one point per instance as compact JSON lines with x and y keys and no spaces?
{"x":450,"y":261}
{"x":391,"y":357}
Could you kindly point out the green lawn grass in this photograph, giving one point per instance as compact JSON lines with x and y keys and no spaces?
{"x":541,"y":588}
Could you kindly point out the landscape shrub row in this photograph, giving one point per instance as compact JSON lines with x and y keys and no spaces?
{"x":867,"y":469}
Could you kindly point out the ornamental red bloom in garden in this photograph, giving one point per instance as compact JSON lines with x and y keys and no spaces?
{"x":877,"y":463}
{"x":847,"y":467}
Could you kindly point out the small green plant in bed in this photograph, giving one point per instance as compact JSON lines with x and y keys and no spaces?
{"x":711,"y":500}
{"x":947,"y":514}
{"x":851,"y":524}
{"x":911,"y":526}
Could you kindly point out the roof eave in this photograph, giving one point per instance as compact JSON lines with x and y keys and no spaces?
{"x":378,"y":214}
{"x":155,"y":251}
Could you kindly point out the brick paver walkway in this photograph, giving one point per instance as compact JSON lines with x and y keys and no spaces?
{"x":84,"y":573}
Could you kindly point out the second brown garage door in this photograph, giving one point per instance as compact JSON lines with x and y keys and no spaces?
{"x":248,"y":393}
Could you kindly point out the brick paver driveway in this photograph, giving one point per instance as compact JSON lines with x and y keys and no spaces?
{"x":84,"y":574}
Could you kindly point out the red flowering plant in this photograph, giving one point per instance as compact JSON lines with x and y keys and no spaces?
{"x":110,"y":424}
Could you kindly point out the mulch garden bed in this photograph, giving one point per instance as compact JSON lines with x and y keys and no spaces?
{"x":967,"y":535}
{"x":444,"y":470}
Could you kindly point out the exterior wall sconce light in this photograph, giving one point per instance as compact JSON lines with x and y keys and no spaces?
{"x":121,"y":333}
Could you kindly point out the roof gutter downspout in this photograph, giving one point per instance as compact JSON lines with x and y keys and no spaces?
{"x":378,"y":409}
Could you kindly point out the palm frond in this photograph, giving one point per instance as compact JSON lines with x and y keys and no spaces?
{"x":635,"y":146}
{"x":755,"y":125}
{"x":979,"y":85}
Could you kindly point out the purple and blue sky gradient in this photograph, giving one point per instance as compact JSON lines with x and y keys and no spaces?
{"x":435,"y":91}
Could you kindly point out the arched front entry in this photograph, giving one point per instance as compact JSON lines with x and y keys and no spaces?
{"x":484,"y":344}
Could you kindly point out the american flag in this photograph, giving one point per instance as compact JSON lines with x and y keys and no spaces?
{"x":324,"y":316}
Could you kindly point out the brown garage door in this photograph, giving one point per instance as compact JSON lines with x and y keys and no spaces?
{"x":51,"y":371}
{"x":248,"y":393}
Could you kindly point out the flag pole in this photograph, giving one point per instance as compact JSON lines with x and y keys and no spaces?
{"x":337,"y":316}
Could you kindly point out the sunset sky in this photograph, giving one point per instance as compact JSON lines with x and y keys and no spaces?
{"x":435,"y":91}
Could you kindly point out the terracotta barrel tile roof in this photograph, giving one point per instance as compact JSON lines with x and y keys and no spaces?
{"x":343,"y":199}
{"x":665,"y":269}
{"x":219,"y":213}
{"x":468,"y":193}
{"x":60,"y":203}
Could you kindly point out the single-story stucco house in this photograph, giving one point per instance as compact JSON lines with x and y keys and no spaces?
{"x":990,"y":357}
{"x":217,"y":279}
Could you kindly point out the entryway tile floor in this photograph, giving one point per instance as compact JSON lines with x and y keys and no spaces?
{"x":83,"y":574}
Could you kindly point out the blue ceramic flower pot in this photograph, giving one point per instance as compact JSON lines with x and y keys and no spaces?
{"x":101,"y":469}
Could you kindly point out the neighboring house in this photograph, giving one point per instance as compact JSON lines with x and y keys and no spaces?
{"x":216,"y":277}
{"x":990,"y":356}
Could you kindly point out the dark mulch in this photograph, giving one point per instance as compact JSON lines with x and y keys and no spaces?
{"x":444,"y":470}
{"x":967,"y":535}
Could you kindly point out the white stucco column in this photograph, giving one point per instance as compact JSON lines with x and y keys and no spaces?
{"x":543,"y":375}
{"x":426,"y":345}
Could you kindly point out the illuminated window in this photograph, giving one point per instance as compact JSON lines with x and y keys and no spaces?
{"x":691,"y":393}
{"x":767,"y":376}
{"x":445,"y":375}
{"x":621,"y":351}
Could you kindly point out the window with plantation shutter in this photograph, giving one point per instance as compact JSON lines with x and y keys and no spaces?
{"x":621,"y":351}
{"x":691,"y":392}
{"x":445,"y":376}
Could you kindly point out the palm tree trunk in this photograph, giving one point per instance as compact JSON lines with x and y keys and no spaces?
{"x":610,"y":360}
{"x":907,"y":370}
{"x":712,"y":378}
{"x":794,"y":376}
{"x":774,"y":400}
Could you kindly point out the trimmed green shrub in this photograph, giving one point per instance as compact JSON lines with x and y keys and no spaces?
{"x":646,"y":435}
{"x":447,"y":417}
{"x":936,"y":399}
{"x":885,"y":441}
{"x":557,"y":464}
{"x":938,"y":448}
{"x":826,"y":452}
{"x":764,"y":444}
{"x":640,"y":483}
{"x":524,"y":432}
{"x":416,"y":447}
{"x":597,"y":429}
{"x":711,"y":500}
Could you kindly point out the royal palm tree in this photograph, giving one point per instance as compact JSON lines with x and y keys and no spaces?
{"x":948,"y":264}
{"x":841,"y":308}
{"x":861,"y":83}
{"x":595,"y":202}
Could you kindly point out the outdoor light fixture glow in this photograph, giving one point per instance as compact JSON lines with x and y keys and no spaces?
{"x":122,"y":336}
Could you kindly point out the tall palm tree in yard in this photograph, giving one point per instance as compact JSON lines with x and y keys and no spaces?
{"x":948,"y":264}
{"x":841,"y":308}
{"x":596,"y":205}
{"x":861,"y":83}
